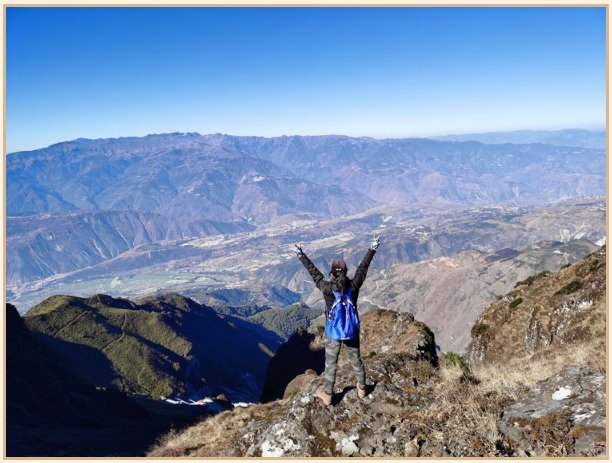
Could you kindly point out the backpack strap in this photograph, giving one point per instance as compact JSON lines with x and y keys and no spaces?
{"x":337,"y":302}
{"x":348,"y":295}
{"x":342,"y":299}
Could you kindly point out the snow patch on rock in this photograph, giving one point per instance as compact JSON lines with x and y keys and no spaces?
{"x":562,"y":393}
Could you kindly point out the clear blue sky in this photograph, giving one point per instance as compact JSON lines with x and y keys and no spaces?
{"x":381,"y":72}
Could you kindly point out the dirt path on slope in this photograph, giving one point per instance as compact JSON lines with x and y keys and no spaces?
{"x":69,"y":323}
{"x":125,"y":317}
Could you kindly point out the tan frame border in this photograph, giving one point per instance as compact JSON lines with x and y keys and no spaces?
{"x":286,"y":3}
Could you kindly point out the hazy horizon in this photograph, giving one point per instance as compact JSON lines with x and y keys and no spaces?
{"x":594,"y":130}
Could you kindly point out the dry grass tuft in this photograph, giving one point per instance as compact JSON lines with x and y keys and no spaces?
{"x":216,"y":436}
{"x":459,"y":410}
{"x":467,"y":411}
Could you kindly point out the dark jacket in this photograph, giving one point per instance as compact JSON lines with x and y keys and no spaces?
{"x":326,"y":286}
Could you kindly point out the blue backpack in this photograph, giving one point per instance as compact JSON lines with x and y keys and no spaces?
{"x":343,"y":320}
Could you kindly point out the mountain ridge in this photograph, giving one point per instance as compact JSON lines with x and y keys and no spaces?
{"x":566,"y":137}
{"x":448,"y":137}
{"x":398,"y":171}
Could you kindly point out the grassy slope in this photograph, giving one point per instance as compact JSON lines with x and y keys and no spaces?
{"x":285,"y":321}
{"x":566,"y":307}
{"x":152,"y":347}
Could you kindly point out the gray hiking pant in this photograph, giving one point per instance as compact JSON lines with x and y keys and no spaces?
{"x":332,"y":351}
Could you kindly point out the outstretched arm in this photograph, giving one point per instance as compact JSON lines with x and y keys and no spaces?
{"x":362,"y":270}
{"x":315,"y":273}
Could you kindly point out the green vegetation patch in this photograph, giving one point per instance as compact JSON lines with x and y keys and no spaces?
{"x":529,"y":280}
{"x":518,"y":301}
{"x":479,"y":329}
{"x":596,"y":265}
{"x":142,"y":367}
{"x":570,"y":288}
{"x":526,"y":282}
{"x":454,"y":359}
{"x":54,"y":303}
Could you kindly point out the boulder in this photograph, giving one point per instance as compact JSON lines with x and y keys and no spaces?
{"x":298,"y":383}
{"x":563,"y":415}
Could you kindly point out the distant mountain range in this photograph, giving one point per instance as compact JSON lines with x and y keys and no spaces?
{"x":186,"y":177}
{"x":568,"y":137}
{"x":82,"y":203}
{"x":226,"y":178}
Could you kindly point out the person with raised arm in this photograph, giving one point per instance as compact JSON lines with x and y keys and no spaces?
{"x":341,"y":315}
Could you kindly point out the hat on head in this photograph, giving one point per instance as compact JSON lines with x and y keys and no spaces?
{"x":338,"y":265}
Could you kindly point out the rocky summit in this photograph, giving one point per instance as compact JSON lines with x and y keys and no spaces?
{"x":399,"y":354}
{"x":543,"y":401}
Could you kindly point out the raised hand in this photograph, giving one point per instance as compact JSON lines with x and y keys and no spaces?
{"x":298,"y":250}
{"x":375,"y":242}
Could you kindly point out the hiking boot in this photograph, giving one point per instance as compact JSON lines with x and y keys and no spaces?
{"x":361,"y":392}
{"x":324,"y":396}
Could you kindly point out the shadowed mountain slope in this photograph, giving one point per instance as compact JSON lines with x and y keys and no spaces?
{"x":45,"y":398}
{"x":158,"y":346}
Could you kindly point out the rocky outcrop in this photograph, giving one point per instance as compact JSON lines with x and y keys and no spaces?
{"x":383,"y":332}
{"x":564,"y":415}
{"x":548,"y":316}
{"x":376,"y":426}
{"x":399,"y":355}
{"x":419,"y":405}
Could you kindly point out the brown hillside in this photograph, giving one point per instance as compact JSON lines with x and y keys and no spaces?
{"x":545,"y":310}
